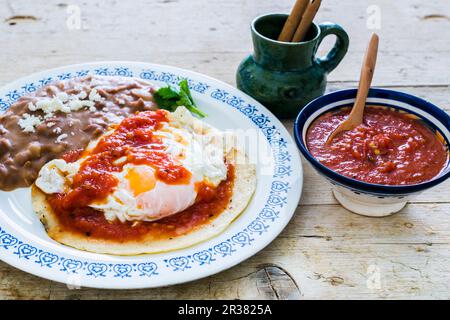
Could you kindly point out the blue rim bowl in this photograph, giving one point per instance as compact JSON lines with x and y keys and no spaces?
{"x":432,"y":115}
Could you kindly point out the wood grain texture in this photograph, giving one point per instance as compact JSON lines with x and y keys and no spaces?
{"x":325,"y":252}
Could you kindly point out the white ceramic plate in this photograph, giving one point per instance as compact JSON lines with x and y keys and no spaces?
{"x":25,"y":245}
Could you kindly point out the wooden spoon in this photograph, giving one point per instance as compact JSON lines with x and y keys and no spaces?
{"x":355,"y":117}
{"x":293,"y":20}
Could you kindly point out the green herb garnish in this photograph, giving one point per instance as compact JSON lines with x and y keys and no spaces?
{"x":170,"y":98}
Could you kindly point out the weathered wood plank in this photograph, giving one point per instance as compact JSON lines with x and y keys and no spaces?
{"x":327,"y":251}
{"x":214,"y":36}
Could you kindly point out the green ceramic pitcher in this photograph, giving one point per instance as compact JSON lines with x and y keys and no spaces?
{"x":285,"y":76}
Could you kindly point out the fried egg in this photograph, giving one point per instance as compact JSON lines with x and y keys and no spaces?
{"x":139,"y":194}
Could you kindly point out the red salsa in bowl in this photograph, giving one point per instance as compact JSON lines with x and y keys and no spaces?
{"x":390,"y":147}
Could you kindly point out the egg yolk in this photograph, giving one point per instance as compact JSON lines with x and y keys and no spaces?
{"x":140,"y":180}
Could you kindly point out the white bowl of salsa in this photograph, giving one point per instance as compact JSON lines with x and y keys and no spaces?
{"x":399,"y":150}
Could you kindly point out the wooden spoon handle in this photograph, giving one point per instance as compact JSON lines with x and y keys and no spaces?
{"x":293,"y":20}
{"x":306,"y":21}
{"x":355,"y":117}
{"x":365,"y":80}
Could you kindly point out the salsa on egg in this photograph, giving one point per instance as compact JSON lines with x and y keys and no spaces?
{"x":134,"y":140}
{"x":388,"y":148}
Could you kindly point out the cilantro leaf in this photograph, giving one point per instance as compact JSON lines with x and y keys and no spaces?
{"x":184,"y":88}
{"x":169,"y":98}
{"x":168,"y":93}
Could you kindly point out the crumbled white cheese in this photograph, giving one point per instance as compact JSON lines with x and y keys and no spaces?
{"x":61,"y":138}
{"x":57,"y":130}
{"x":113,"y":118}
{"x":75,"y":105}
{"x":61,"y":102}
{"x":29,"y":122}
{"x":64,"y":103}
{"x":82,"y":94}
{"x":88,"y":103}
{"x":94,"y":96}
{"x":31,"y":106}
{"x":62,"y":96}
{"x":72,"y":133}
{"x":52,"y":105}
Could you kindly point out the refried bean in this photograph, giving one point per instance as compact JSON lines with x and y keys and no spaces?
{"x":22,"y":154}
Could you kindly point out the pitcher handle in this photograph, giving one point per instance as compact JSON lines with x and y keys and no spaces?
{"x":330,"y":61}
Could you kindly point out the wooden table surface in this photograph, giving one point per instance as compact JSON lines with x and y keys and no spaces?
{"x":326,"y":251}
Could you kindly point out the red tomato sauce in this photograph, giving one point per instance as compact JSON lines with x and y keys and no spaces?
{"x":72,"y":155}
{"x":133,"y":139}
{"x":210,"y":203}
{"x":388,"y":148}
